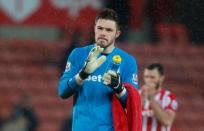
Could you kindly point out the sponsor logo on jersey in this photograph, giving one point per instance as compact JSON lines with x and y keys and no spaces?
{"x":95,"y":78}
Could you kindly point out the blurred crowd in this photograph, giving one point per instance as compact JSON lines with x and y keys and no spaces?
{"x":23,"y":116}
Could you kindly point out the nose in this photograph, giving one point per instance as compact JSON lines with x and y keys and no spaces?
{"x":148,"y":79}
{"x":103,"y":32}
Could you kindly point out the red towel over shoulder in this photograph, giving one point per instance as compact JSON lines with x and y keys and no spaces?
{"x":129,"y":119}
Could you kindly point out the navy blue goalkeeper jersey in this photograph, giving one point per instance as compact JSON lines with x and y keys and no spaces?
{"x":92,"y":104}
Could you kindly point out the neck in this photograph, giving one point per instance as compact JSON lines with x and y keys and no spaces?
{"x":159,"y":89}
{"x":109,"y":49}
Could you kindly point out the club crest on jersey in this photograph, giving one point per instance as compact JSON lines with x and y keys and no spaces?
{"x":135,"y":78}
{"x":68,"y":66}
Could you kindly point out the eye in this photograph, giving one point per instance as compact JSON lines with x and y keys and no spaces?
{"x":152,"y":77}
{"x":109,"y":30}
{"x":99,"y":28}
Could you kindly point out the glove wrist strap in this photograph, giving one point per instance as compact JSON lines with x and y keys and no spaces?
{"x":118,"y":89}
{"x":83,"y":75}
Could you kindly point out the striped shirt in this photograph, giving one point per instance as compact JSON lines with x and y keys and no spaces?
{"x":166,"y":100}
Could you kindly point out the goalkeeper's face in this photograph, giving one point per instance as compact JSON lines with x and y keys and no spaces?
{"x":105,"y":32}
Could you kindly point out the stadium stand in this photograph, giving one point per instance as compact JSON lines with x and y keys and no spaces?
{"x":28,"y":66}
{"x":184,"y":72}
{"x":32,"y":66}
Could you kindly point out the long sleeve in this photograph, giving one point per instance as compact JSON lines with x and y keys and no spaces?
{"x":130,"y":76}
{"x":131,"y":73}
{"x":67,"y":83}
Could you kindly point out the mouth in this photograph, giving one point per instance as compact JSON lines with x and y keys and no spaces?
{"x":100,"y":38}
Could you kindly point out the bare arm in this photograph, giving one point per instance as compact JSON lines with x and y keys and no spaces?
{"x":166,"y":117}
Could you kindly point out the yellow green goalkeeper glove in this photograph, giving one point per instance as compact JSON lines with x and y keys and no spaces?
{"x":92,"y":62}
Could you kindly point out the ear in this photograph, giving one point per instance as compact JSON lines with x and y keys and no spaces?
{"x":162,"y":79}
{"x":94,"y":28}
{"x":118,"y":32}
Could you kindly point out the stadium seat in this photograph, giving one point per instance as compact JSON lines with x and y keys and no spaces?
{"x":32,"y":66}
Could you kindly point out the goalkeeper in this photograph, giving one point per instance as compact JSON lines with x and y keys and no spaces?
{"x":89,"y":77}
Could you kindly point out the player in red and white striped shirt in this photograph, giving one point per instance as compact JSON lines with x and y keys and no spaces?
{"x":159,"y":105}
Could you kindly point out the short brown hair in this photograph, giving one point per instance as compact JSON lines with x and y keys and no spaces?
{"x":108,"y":14}
{"x":157,"y":66}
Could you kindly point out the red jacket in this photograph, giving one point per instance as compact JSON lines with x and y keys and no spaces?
{"x":129,"y":119}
